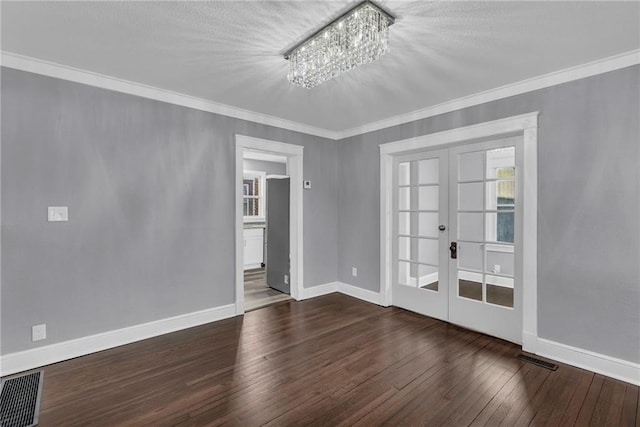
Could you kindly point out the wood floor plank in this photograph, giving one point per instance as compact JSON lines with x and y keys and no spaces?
{"x":331,"y":360}
{"x":608,"y":409}
{"x":630,"y":407}
{"x":589,"y":403}
{"x":555,"y":402}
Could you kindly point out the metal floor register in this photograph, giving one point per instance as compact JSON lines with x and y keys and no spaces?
{"x":20,"y":400}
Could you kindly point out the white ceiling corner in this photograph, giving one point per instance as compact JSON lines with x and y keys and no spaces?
{"x":227,"y":56}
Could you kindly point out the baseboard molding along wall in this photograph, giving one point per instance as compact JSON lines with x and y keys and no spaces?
{"x":46,"y":355}
{"x":619,"y":369}
{"x":29,"y":359}
{"x":363,"y":294}
{"x":316,"y":291}
{"x":343,"y":288}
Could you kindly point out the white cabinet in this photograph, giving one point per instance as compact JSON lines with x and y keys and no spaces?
{"x":253,"y":247}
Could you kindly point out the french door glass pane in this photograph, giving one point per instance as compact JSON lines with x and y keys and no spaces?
{"x":470,"y":197}
{"x":470,"y":226}
{"x":404,"y":173}
{"x":471,"y":166}
{"x":428,"y":224}
{"x":500,"y":290}
{"x":470,"y":256}
{"x":500,"y":260}
{"x":428,"y":277}
{"x":501,"y":194}
{"x":428,"y":171}
{"x":428,"y":251}
{"x":500,"y":227}
{"x":470,"y":285}
{"x":404,"y":274}
{"x":501,"y":163}
{"x":404,"y":198}
{"x":404,"y":248}
{"x":404,"y":223}
{"x":428,"y":198}
{"x":500,"y":295}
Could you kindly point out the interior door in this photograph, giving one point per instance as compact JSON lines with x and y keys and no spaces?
{"x":420,"y":241}
{"x":277,"y":234}
{"x":456,"y":229}
{"x":485,"y":226}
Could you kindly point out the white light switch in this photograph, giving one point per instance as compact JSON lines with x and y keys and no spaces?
{"x":307,"y":185}
{"x":38,"y":332}
{"x":58,"y":213}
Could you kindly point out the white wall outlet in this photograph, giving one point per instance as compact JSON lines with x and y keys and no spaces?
{"x":58,"y":213}
{"x":354,"y":272}
{"x":496,"y":268}
{"x":307,"y":185}
{"x":286,"y":279}
{"x":38,"y":332}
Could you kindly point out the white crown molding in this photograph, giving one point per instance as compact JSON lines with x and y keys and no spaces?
{"x":622,"y":370}
{"x":46,"y":355}
{"x":46,"y":68}
{"x":77,"y":75}
{"x":600,"y":66}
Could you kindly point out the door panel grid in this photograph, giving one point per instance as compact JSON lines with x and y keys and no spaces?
{"x":486,"y":206}
{"x":465,"y":196}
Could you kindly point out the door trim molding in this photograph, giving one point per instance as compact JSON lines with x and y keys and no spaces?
{"x":294,"y":154}
{"x":525,"y":125}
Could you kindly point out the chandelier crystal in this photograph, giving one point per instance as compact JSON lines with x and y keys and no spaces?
{"x":358,"y":37}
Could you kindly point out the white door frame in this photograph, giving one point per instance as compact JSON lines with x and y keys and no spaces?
{"x":294,"y":154}
{"x":525,"y":125}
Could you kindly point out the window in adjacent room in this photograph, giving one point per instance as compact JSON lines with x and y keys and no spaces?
{"x":253,"y":187}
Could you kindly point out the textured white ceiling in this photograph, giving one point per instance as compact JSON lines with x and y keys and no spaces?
{"x":231,"y":52}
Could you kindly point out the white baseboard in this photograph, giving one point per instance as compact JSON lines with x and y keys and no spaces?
{"x":41,"y":356}
{"x":343,"y":288}
{"x":29,"y":359}
{"x":622,"y":370}
{"x":316,"y":291}
{"x":363,"y":294}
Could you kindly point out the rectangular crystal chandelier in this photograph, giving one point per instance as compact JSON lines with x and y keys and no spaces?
{"x":358,"y":37}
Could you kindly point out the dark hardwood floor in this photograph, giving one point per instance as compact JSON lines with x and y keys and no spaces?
{"x":332,"y":360}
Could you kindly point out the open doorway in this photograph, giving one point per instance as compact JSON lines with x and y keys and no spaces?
{"x":268,"y":222}
{"x":265,"y":211}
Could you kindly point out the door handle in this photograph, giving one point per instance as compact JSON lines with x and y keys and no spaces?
{"x":454,"y":250}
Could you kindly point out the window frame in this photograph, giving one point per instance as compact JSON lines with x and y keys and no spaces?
{"x":262,"y":197}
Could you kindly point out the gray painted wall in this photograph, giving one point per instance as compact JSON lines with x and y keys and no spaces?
{"x":149,"y":187}
{"x":271,"y":168}
{"x":589,"y":205}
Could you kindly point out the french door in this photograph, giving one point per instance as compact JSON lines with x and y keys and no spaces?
{"x":457,"y":235}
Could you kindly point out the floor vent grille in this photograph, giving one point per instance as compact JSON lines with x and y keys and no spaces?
{"x":20,"y":400}
{"x":538,"y":362}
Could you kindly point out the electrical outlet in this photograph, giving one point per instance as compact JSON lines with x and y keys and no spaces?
{"x":38,"y":332}
{"x":57,"y":213}
{"x":286,"y":279}
{"x":354,"y":272}
{"x":496,"y":268}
